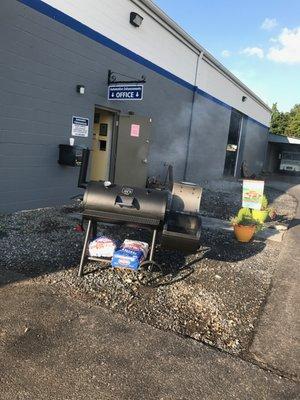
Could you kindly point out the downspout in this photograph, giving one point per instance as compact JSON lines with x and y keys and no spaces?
{"x":200,"y":55}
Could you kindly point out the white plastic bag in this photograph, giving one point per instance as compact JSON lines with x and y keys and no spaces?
{"x":102,"y":247}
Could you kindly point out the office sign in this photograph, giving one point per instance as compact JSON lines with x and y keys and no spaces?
{"x":125,"y":92}
{"x":80,"y":126}
{"x":253,"y":192}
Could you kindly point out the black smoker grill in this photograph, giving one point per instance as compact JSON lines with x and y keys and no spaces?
{"x":135,"y":207}
{"x":174,"y":216}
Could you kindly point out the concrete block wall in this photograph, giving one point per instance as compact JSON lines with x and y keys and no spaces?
{"x":208,"y":140}
{"x":44,"y":61}
{"x":158,"y":42}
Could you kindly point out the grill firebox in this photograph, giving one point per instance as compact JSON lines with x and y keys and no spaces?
{"x":182,"y":227}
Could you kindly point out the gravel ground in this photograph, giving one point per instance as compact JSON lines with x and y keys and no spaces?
{"x":225,"y":205}
{"x":214,"y":296}
{"x":39,"y":241}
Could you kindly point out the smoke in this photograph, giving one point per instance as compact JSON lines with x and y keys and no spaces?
{"x":169,"y":141}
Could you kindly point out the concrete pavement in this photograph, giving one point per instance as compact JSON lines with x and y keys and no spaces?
{"x":266,"y":234}
{"x":277,"y":340}
{"x":55,"y":347}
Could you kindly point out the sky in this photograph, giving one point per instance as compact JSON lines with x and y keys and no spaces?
{"x":257,"y":40}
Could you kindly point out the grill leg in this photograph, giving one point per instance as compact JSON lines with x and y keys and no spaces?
{"x":153,"y":245}
{"x":94,"y":229}
{"x":86,"y":239}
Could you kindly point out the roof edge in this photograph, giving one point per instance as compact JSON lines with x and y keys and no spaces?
{"x":275,"y":138}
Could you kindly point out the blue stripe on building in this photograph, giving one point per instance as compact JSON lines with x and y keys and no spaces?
{"x":77,"y":26}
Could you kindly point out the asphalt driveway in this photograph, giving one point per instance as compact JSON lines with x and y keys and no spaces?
{"x":57,"y":347}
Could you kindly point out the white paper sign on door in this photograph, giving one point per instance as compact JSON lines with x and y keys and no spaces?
{"x":135,"y":130}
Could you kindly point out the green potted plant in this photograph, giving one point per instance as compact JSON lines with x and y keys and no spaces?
{"x":245,"y":225}
{"x":264,"y":212}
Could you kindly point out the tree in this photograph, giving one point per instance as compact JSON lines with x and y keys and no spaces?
{"x":286,"y":123}
{"x":279,"y":121}
{"x":293,"y":126}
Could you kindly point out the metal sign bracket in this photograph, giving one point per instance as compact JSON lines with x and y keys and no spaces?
{"x":112,"y":78}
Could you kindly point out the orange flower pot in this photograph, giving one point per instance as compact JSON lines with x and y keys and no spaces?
{"x":244,"y":233}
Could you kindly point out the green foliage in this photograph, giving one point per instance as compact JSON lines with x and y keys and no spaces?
{"x":265,"y":207}
{"x":245,"y":218}
{"x":293,"y":126}
{"x":279,"y":121}
{"x":244,"y":213}
{"x":264,"y":203}
{"x":286,"y":123}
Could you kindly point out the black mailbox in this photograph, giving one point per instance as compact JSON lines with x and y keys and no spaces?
{"x":70,"y":155}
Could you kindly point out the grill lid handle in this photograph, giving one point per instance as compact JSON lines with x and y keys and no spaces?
{"x":127,"y":201}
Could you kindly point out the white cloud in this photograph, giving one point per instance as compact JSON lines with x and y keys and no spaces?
{"x":253,"y":51}
{"x":288,"y":49}
{"x":226,"y":53}
{"x":269,"y":24}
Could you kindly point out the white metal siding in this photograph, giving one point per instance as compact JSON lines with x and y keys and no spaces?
{"x":151,"y":41}
{"x":216,"y":84}
{"x":160,"y":45}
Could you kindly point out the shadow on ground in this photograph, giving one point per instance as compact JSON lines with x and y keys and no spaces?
{"x":214,"y":295}
{"x":40,"y":242}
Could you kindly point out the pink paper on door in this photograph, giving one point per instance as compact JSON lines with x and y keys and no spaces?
{"x":135,"y":130}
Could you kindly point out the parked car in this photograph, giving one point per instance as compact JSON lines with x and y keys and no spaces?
{"x":290,"y":161}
